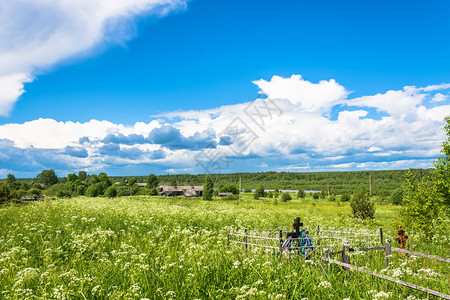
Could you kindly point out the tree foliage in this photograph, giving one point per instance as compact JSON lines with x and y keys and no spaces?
{"x":301,"y":194}
{"x":152,"y":181}
{"x":47,"y":178}
{"x":442,"y":169}
{"x":397,"y":197}
{"x":208,"y":188}
{"x":4,"y":191}
{"x":10,"y":178}
{"x":362,"y":207}
{"x":259,"y":192}
{"x":111,"y":192}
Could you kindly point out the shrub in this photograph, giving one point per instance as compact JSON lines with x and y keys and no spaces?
{"x":153,"y":192}
{"x":63,"y":194}
{"x":123,"y":191}
{"x":345,"y":197}
{"x":301,"y":194}
{"x":361,"y":206}
{"x":285,"y":197}
{"x":315,"y":195}
{"x":34,"y":192}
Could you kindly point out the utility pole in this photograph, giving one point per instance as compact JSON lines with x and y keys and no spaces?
{"x":240,"y":188}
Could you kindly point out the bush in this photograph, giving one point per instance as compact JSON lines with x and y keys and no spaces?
{"x":332,"y":198}
{"x":361,"y":206}
{"x":63,"y":194}
{"x":231,"y":197}
{"x":315,"y":195}
{"x":123,"y":191}
{"x":301,"y":194}
{"x":34,"y":192}
{"x":111,"y":192}
{"x":345,"y":197}
{"x":285,"y":197}
{"x":153,"y":192}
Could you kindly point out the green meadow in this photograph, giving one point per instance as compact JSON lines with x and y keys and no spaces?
{"x":151,"y":247}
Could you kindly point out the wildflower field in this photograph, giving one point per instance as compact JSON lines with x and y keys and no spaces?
{"x":174,"y":248}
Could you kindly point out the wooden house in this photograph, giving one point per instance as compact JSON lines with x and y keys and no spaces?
{"x":181,"y":190}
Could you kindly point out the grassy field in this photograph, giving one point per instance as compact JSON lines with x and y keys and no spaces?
{"x":173,"y":248}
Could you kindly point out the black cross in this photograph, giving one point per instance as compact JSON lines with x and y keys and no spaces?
{"x":297,"y":224}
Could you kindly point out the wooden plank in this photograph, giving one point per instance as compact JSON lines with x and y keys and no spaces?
{"x":421,"y":254}
{"x":404,"y":283}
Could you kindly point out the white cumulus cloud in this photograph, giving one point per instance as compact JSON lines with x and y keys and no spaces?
{"x":277,"y":133}
{"x":37,"y":34}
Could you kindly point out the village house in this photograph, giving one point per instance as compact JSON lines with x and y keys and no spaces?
{"x":181,"y":190}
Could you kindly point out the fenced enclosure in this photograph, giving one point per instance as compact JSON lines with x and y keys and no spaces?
{"x":362,"y":251}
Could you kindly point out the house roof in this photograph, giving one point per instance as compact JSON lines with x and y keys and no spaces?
{"x":180,"y":188}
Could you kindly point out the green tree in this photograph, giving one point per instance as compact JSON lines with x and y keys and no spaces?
{"x":102,"y":177}
{"x":47,"y":178}
{"x":131,"y":182}
{"x":361,"y":206}
{"x":10,"y":179}
{"x":421,"y":204}
{"x":71,"y":177}
{"x":208,"y":188}
{"x":152,"y":181}
{"x":315,"y":195}
{"x":82,"y":175}
{"x":442,"y":169}
{"x":93,"y":191}
{"x":301,"y":194}
{"x":111,"y":192}
{"x":259,"y":192}
{"x":4,"y":191}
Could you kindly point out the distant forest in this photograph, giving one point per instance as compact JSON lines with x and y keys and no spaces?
{"x":383,"y":182}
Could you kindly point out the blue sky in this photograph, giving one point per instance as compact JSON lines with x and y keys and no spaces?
{"x":166,"y":77}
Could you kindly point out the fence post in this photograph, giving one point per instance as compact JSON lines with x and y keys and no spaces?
{"x":245,"y":238}
{"x":324,"y":257}
{"x":387,"y":251}
{"x":345,"y":257}
{"x":381,"y":236}
{"x":281,"y":240}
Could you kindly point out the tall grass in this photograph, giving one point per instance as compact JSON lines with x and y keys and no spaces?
{"x":159,"y":248}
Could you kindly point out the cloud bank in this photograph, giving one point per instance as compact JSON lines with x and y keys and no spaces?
{"x":298,"y":126}
{"x":37,"y":34}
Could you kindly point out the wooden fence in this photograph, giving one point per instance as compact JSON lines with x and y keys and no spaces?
{"x":331,"y":240}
